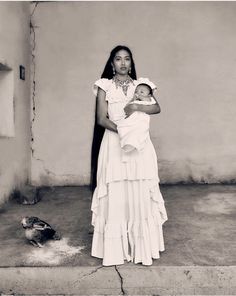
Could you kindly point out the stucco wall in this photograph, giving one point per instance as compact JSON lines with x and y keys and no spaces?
{"x":186,"y":48}
{"x":14,"y":51}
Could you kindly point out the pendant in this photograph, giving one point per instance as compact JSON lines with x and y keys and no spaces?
{"x":125,"y":89}
{"x":123,"y":84}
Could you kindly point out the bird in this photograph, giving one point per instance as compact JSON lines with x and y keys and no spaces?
{"x":37,"y":231}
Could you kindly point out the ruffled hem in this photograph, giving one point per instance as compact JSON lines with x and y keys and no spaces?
{"x":129,"y":170}
{"x":139,"y":165}
{"x":138,"y":242}
{"x":133,"y":239}
{"x":127,"y":207}
{"x":155,"y":195}
{"x":118,"y":243}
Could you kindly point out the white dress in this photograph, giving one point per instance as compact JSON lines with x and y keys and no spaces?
{"x":127,"y":206}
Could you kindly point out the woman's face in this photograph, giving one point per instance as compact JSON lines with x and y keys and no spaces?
{"x":122,"y":62}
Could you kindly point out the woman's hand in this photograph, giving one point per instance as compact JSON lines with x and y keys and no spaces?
{"x":148,"y":109}
{"x":130,"y":108}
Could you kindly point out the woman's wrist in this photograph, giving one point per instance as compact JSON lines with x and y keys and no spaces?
{"x":137,"y":107}
{"x":110,"y":125}
{"x":149,"y":109}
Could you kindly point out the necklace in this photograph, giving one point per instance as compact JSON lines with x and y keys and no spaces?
{"x":124,"y":84}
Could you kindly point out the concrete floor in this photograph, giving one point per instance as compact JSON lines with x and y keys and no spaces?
{"x":199,"y":237}
{"x":200,"y":231}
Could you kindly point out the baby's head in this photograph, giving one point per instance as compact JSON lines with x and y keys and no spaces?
{"x":143,"y":91}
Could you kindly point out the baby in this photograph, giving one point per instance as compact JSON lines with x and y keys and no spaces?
{"x":134,"y":130}
{"x":143,"y":92}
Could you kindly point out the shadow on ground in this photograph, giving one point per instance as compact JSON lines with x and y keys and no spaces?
{"x":200,"y":230}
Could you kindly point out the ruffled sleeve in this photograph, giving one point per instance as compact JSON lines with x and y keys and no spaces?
{"x":147,"y":81}
{"x":103,"y":83}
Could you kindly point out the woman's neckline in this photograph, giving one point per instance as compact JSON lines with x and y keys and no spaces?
{"x":123,"y":84}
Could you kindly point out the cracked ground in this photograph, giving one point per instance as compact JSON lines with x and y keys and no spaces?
{"x":200,"y":230}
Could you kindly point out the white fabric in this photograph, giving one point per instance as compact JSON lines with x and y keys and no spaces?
{"x":147,"y":81}
{"x":134,"y":130}
{"x":127,"y":207}
{"x":151,"y":102}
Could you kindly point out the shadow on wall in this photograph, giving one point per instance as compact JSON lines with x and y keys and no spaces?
{"x":6,"y":101}
{"x":10,"y":181}
{"x":196,"y":172}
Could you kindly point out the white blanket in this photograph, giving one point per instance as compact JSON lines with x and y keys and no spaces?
{"x":134,"y":130}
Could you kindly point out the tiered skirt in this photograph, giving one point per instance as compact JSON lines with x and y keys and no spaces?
{"x":128,"y":209}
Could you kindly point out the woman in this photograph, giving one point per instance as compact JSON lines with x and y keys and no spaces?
{"x":128,"y":208}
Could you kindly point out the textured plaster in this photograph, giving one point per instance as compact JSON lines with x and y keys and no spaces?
{"x":15,"y":51}
{"x":189,"y":56}
{"x":33,"y":44}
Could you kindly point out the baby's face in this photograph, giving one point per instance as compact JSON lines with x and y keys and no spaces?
{"x":142,"y":91}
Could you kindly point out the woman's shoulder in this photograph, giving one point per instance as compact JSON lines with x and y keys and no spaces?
{"x":103,"y":83}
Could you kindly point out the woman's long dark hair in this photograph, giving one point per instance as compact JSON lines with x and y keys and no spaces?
{"x":98,"y":130}
{"x":108,"y":70}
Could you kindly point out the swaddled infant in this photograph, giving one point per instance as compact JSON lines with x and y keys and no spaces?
{"x":134,"y":130}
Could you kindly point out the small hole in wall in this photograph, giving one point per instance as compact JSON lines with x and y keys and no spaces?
{"x":22,"y":72}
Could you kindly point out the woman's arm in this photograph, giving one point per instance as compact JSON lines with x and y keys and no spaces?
{"x":149,"y":109}
{"x":102,"y":118}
